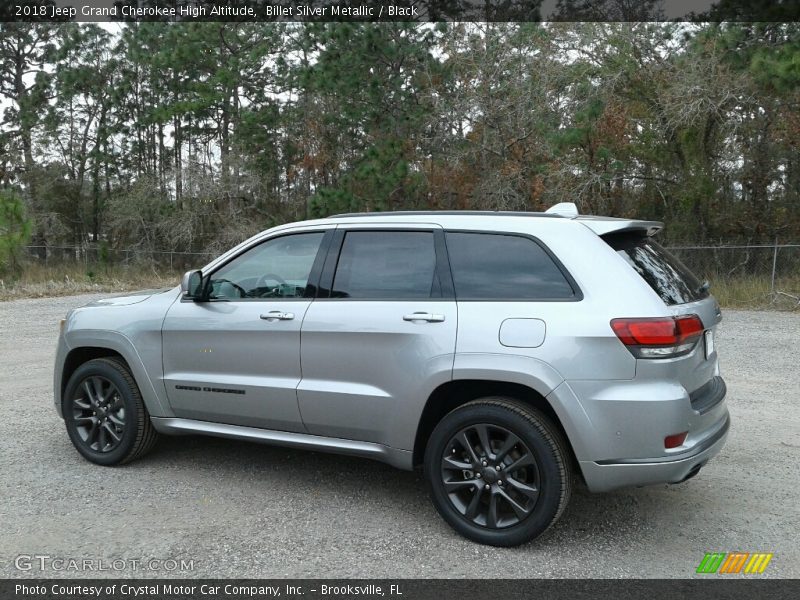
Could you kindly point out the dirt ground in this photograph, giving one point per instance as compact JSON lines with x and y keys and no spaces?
{"x":232,"y":509}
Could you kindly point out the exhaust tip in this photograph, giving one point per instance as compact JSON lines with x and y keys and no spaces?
{"x":693,"y":473}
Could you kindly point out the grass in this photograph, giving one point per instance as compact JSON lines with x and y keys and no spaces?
{"x":38,"y":281}
{"x":756,"y":292}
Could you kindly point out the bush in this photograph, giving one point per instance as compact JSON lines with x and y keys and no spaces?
{"x":15,"y":231}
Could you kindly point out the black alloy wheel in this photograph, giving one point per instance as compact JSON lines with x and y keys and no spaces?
{"x":498,"y":471}
{"x":98,"y":413}
{"x":491,"y":476}
{"x":104,"y":413}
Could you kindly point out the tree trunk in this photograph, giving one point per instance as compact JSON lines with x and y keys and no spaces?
{"x":178,"y":163}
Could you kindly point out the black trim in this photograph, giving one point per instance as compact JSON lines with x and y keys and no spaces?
{"x":314,"y":277}
{"x":443,"y":265}
{"x":329,"y":266}
{"x":576,"y":290}
{"x":216,"y":390}
{"x":706,"y":397}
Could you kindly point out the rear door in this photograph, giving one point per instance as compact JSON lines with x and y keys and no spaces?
{"x":514,"y":299}
{"x":380,"y":336}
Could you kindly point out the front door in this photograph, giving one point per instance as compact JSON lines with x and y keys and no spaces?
{"x":236,"y":357}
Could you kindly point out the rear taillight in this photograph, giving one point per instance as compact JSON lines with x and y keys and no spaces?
{"x":659,"y":337}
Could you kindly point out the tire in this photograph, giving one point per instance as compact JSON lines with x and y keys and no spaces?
{"x":102,"y":403}
{"x":527,"y":471}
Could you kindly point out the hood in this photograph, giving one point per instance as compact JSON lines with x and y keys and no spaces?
{"x":127,"y":299}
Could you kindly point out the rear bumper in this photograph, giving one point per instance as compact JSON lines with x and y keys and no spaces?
{"x":602,"y":476}
{"x":617,"y":429}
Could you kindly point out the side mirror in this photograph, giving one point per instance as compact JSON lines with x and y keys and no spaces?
{"x":192,"y":285}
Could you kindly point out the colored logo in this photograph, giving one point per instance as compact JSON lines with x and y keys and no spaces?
{"x":724,"y":563}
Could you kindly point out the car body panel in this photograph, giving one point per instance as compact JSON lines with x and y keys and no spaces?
{"x":132,"y":330}
{"x":367,"y":373}
{"x":224,"y":363}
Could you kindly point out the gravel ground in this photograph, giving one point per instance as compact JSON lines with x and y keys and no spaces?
{"x":246,"y":510}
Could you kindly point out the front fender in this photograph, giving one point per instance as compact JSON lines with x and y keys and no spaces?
{"x":153,"y":392}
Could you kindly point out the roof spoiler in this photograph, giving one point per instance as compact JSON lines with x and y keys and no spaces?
{"x":612,"y":226}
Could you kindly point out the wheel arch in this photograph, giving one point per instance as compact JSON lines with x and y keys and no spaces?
{"x":455,"y":393}
{"x":100,"y":344}
{"x":78,"y":356}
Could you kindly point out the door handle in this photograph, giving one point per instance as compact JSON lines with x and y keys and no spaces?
{"x":423,"y":316}
{"x":277,"y":315}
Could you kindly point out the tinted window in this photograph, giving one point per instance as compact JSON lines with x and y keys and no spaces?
{"x":386,"y":264}
{"x":278,"y":268}
{"x":490,"y":266}
{"x":668,"y":276}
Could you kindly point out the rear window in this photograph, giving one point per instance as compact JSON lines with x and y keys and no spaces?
{"x":662,"y":271}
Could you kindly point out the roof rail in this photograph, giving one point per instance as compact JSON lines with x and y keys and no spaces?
{"x":411,"y":213}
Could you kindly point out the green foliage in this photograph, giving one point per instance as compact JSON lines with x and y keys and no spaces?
{"x":770,"y":52}
{"x":192,"y":136}
{"x":15,"y":232}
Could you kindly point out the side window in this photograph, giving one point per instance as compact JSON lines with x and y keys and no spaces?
{"x":278,"y":268}
{"x":489,"y":266}
{"x":394,"y":265}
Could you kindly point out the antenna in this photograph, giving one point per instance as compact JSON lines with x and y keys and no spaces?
{"x":565,"y":209}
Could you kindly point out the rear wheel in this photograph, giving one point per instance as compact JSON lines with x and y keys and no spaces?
{"x":105,"y":416}
{"x":498,"y":471}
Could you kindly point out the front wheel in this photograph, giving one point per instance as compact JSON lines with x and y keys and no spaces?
{"x":105,"y":415}
{"x":498,"y":471}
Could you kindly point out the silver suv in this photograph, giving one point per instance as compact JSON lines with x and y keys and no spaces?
{"x":504,"y":353}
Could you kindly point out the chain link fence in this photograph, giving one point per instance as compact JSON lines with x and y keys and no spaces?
{"x":740,"y":275}
{"x":92,"y":256}
{"x":747,"y":275}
